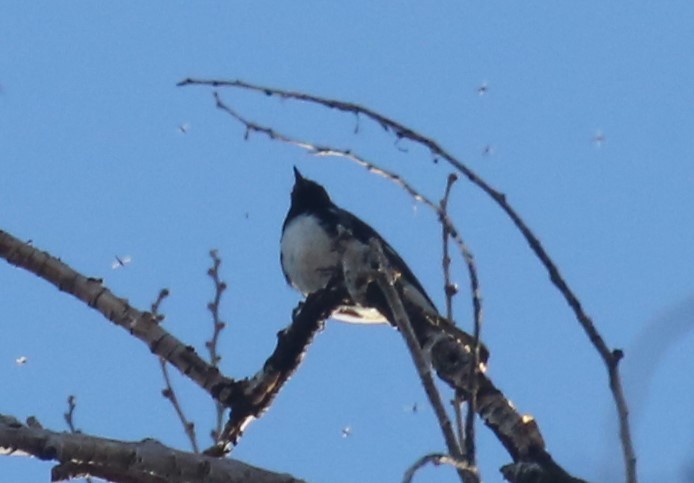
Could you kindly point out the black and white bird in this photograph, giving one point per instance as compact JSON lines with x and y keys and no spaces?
{"x":319,"y":240}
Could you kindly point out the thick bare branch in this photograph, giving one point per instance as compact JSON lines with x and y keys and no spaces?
{"x":91,"y":291}
{"x":253,"y":396}
{"x":248,"y":398}
{"x":145,"y":461}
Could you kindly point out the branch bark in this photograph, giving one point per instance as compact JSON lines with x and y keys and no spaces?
{"x":140,"y":324}
{"x":248,"y":398}
{"x":253,"y":396}
{"x":146,"y":461}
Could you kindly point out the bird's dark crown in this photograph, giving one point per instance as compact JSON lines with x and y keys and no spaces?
{"x":308,"y":195}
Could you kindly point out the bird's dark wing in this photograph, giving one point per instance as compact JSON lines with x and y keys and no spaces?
{"x":363,"y":232}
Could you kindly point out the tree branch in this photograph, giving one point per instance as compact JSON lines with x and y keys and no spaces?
{"x":142,"y":325}
{"x":254,"y":395}
{"x":247,"y":398}
{"x":145,"y":461}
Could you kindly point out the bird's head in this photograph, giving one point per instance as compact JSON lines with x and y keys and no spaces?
{"x":308,"y":195}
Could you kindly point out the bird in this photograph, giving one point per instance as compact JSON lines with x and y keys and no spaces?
{"x":320,"y":241}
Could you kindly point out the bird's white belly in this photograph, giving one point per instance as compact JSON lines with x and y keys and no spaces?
{"x":311,"y":258}
{"x":308,"y":254}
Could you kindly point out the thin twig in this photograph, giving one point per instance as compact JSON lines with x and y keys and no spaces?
{"x":168,"y":392}
{"x":449,"y":288}
{"x":70,"y":420}
{"x":436,"y":459}
{"x":163,"y":293}
{"x":467,"y":439}
{"x":457,"y":402}
{"x":610,"y":357}
{"x":70,"y":414}
{"x":218,"y":325}
{"x":385,"y":282}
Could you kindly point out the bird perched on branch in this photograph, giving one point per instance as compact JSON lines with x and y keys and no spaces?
{"x":322,"y":243}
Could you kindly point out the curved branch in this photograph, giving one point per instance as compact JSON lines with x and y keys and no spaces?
{"x":611,"y":358}
{"x":445,"y":220}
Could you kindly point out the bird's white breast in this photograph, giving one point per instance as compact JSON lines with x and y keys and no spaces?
{"x":309,"y":256}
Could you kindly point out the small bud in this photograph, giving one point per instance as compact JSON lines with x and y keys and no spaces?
{"x":451,"y":289}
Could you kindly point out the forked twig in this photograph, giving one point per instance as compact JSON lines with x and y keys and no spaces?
{"x":69,"y":416}
{"x":217,"y":326}
{"x":168,"y":392}
{"x":70,"y":421}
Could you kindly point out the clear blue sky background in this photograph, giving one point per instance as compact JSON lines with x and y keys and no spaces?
{"x":92,"y":165}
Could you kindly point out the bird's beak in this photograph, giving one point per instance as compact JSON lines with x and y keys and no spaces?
{"x":297,"y":175}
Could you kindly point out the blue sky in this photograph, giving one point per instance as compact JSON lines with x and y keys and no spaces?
{"x":93,"y":165}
